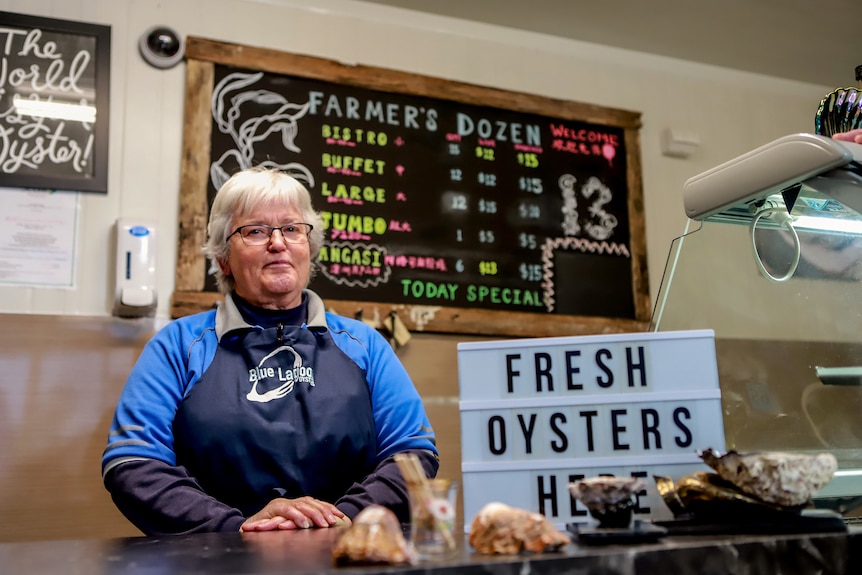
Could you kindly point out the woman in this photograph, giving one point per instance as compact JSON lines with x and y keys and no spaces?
{"x":269,"y":412}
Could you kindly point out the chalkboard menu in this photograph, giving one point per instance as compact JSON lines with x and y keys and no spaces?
{"x":459,"y":208}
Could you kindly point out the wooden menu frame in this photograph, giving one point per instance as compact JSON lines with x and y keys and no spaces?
{"x":202,"y":56}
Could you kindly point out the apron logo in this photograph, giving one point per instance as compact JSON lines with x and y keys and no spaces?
{"x":285,"y":377}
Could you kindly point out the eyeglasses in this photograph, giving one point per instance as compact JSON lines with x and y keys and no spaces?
{"x":260,"y":234}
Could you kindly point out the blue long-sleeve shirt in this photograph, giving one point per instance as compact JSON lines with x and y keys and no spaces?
{"x":219,"y":416}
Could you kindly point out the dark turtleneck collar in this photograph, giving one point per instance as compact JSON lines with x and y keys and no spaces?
{"x":263,"y":317}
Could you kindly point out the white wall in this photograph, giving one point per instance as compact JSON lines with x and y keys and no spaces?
{"x":731,"y":111}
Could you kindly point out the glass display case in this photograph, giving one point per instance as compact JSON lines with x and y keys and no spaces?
{"x":784,"y":297}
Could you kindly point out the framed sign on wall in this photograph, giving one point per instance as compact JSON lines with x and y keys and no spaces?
{"x":54,"y":97}
{"x":460,"y":208}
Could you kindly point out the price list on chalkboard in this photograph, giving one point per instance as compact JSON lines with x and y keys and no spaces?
{"x":433,"y":202}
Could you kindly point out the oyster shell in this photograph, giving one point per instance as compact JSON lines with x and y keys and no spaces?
{"x":375,"y":537}
{"x":785,"y":479}
{"x":500,"y":529}
{"x":709,"y":497}
{"x":608,"y":499}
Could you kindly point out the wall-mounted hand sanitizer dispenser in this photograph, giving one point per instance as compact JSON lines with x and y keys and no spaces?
{"x":135,"y":294}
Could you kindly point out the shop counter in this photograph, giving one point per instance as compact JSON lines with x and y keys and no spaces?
{"x":309,"y":551}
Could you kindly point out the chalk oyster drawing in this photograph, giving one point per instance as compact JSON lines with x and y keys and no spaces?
{"x":229,"y":96}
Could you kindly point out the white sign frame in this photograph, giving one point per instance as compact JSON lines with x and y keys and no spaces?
{"x":539,"y":413}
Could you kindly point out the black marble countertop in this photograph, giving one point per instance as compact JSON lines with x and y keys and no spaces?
{"x":309,"y":551}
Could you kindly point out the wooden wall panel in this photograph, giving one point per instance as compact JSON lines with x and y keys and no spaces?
{"x":60,"y":378}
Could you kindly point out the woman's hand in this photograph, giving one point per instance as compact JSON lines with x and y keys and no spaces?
{"x":299,"y":513}
{"x":851,"y":136}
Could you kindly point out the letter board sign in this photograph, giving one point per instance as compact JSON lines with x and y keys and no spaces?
{"x":537,"y":414}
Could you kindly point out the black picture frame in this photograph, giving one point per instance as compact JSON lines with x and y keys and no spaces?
{"x":64,"y":64}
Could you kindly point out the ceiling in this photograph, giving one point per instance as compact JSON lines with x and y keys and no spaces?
{"x":815,"y":41}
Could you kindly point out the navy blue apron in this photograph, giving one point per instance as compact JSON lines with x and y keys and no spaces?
{"x":269,"y":417}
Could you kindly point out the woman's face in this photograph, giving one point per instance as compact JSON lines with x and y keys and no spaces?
{"x":273,"y":275}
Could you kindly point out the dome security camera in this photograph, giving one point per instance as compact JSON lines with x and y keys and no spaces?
{"x":161,"y":47}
